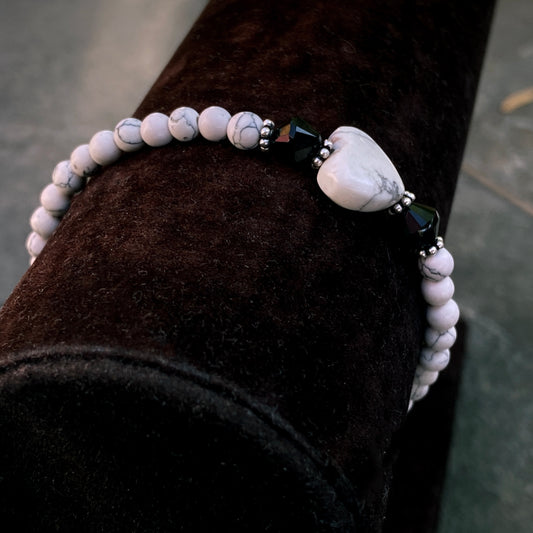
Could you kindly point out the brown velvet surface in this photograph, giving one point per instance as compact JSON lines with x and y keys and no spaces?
{"x":230,"y":270}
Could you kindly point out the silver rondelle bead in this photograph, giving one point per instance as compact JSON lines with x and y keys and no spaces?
{"x":267,"y":123}
{"x":439,"y":243}
{"x":265,"y":132}
{"x":410,"y":195}
{"x":406,"y":201}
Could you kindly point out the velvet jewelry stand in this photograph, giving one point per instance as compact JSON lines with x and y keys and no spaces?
{"x":208,"y":343}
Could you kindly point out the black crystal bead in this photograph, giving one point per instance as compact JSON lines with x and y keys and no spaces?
{"x":296,"y":141}
{"x":422,"y":225}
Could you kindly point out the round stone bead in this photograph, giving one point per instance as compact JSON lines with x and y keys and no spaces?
{"x":54,"y":201}
{"x":434,"y":361}
{"x":127,"y":135}
{"x":183,"y":124}
{"x":418,"y":392}
{"x":68,"y":181}
{"x":438,"y":292}
{"x":443,"y":317}
{"x":213,"y":123}
{"x":103,"y":149}
{"x":436,"y":267}
{"x":424,"y":376}
{"x":81,"y":161}
{"x":244,"y":130}
{"x":35,"y":244}
{"x":154,"y":130}
{"x":43,"y":223}
{"x":440,"y":340}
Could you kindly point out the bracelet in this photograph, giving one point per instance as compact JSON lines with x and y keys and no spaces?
{"x":353,"y":171}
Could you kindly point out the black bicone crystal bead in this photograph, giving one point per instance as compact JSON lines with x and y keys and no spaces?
{"x":296,"y":141}
{"x":422,"y":224}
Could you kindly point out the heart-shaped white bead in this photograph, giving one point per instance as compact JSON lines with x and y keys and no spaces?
{"x":358,"y":175}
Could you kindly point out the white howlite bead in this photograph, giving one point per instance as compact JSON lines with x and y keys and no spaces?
{"x":154,"y":130}
{"x":436,"y":267}
{"x":103,"y":149}
{"x":213,"y":123}
{"x":244,"y":130}
{"x":81,"y":161}
{"x":35,"y":244}
{"x":43,"y":223}
{"x":424,"y":376}
{"x":65,"y":179}
{"x":54,"y":201}
{"x":418,"y":392}
{"x":183,"y":124}
{"x":440,"y":340}
{"x":358,"y":175}
{"x":438,"y":292}
{"x":127,"y":135}
{"x":435,"y":361}
{"x":443,"y":317}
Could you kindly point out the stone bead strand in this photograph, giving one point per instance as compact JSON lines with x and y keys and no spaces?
{"x":442,"y":316}
{"x":130,"y":134}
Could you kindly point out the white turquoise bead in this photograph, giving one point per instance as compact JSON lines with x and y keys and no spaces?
{"x":443,"y":317}
{"x":154,"y":130}
{"x":424,"y":376}
{"x":183,"y":124}
{"x":103,"y":149}
{"x":436,"y":267}
{"x":438,"y":292}
{"x":35,"y":244}
{"x":67,"y":180}
{"x":81,"y":161}
{"x":436,"y":361}
{"x":54,"y":201}
{"x":440,"y":340}
{"x":127,"y":135}
{"x":244,"y":130}
{"x":213,"y":123}
{"x":418,"y":391}
{"x":43,"y":223}
{"x":358,"y":175}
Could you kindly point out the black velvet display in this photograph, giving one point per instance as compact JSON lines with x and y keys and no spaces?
{"x":208,"y":343}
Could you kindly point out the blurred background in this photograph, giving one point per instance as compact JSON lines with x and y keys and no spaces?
{"x":70,"y":68}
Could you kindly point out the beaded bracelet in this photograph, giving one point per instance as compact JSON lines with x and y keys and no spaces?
{"x":353,"y":171}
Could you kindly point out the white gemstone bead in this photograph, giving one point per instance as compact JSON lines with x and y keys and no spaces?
{"x":418,"y":392}
{"x":443,"y":317}
{"x":439,"y":341}
{"x":358,"y":175}
{"x":435,"y":361}
{"x":43,"y":223}
{"x":35,"y":244}
{"x":424,"y":376}
{"x":127,"y":135}
{"x":438,"y":292}
{"x":183,"y":124}
{"x":103,"y":149}
{"x":213,"y":123}
{"x":54,"y":201}
{"x":81,"y":161}
{"x":436,"y":267}
{"x":244,"y":130}
{"x":68,"y":181}
{"x":154,"y":130}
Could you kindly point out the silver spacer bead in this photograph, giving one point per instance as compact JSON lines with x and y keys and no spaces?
{"x":264,"y":145}
{"x":265,"y":132}
{"x":317,"y":162}
{"x":324,"y":153}
{"x":395,"y":209}
{"x":406,"y":201}
{"x":409,"y":195}
{"x":328,"y":144}
{"x":267,"y":123}
{"x":439,"y":243}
